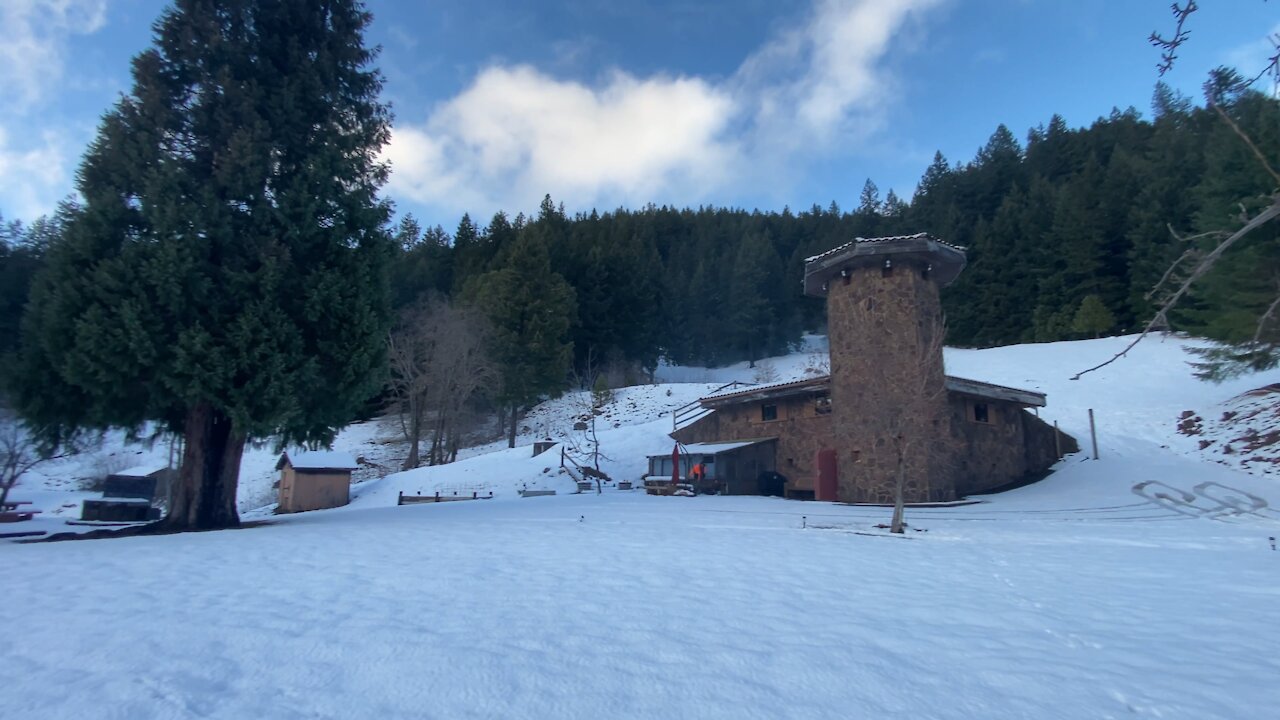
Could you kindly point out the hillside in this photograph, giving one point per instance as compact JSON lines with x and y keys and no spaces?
{"x":1138,"y":584}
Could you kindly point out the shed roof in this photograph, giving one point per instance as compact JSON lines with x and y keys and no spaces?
{"x":318,"y":460}
{"x":141,"y":471}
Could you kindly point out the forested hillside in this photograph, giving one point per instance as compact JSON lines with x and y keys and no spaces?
{"x":1066,"y":234}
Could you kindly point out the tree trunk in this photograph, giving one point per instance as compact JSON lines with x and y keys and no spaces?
{"x":415,"y":437}
{"x":204,"y":496}
{"x":511,"y":433}
{"x":896,"y":525}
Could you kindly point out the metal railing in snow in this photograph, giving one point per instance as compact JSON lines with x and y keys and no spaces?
{"x":690,"y":413}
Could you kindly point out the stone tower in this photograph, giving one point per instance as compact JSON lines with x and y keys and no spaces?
{"x":890,"y":413}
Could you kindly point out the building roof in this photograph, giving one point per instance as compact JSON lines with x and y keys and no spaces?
{"x":764,"y":392}
{"x":715,"y":448}
{"x":318,"y":460}
{"x":141,"y":471}
{"x":944,"y":259}
{"x":822,"y":383}
{"x":991,"y":391}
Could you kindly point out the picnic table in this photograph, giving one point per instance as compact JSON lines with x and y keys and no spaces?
{"x":10,"y":511}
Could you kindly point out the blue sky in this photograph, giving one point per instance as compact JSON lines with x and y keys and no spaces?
{"x":604,"y":104}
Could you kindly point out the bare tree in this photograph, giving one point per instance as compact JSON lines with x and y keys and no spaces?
{"x":18,"y":454}
{"x":438,"y":365}
{"x":595,"y":394}
{"x":924,"y":393}
{"x":1195,"y":262}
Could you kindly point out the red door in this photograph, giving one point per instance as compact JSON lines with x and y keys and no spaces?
{"x":825,"y":487}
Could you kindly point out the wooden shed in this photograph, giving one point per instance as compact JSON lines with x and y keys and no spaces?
{"x":315,"y":480}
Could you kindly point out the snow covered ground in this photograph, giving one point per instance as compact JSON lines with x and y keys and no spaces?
{"x":1140,"y":584}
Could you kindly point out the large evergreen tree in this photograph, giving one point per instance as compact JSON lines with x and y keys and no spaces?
{"x":225,"y":275}
{"x":530,"y":308}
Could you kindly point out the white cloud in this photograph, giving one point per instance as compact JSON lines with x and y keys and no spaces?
{"x":516,"y":133}
{"x":1252,"y":57}
{"x":33,"y":176}
{"x":33,"y":38}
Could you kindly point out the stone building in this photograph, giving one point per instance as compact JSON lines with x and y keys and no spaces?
{"x":887,"y":409}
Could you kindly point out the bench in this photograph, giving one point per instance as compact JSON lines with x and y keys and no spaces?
{"x":119,"y":510}
{"x":403,"y":499}
{"x":536,"y":493}
{"x":12,"y":516}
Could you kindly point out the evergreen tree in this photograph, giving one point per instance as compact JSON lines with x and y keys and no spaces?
{"x":226,"y":274}
{"x":531,"y":309}
{"x":1093,"y":318}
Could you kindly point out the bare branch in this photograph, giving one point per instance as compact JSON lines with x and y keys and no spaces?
{"x":1189,"y":252}
{"x":1180,"y":35}
{"x":1161,"y":317}
{"x":1249,"y":142}
{"x":1262,"y":321}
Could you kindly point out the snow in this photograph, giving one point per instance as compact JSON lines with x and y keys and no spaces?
{"x":710,"y":448}
{"x":322,"y":460}
{"x":141,"y":471}
{"x":1141,"y":584}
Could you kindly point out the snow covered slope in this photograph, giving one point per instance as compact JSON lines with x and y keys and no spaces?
{"x":1140,"y":584}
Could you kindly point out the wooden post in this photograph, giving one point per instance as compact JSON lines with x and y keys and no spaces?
{"x":1093,"y":431}
{"x":400,"y":498}
{"x":1057,"y":439}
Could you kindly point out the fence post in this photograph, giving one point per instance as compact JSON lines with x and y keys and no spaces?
{"x":1057,"y":439}
{"x":1093,"y":432}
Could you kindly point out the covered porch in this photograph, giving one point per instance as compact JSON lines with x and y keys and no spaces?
{"x":740,"y":467}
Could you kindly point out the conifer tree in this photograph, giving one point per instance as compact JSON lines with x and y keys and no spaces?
{"x":225,"y":276}
{"x":1093,"y":318}
{"x":530,"y":308}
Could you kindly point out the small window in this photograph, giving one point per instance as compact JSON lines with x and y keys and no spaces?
{"x":822,"y":405}
{"x":981,"y":413}
{"x":768,"y":412}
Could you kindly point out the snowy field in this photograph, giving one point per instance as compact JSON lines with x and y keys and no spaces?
{"x":1142,"y":584}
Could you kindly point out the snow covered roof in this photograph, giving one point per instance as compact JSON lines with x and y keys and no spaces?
{"x":141,"y":470}
{"x":887,"y":238}
{"x":992,"y":391}
{"x":943,"y":260}
{"x":761,"y":392}
{"x":821,"y":383}
{"x":318,"y":460}
{"x":715,"y":448}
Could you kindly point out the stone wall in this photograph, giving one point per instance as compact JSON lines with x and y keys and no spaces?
{"x":1012,"y":447}
{"x":800,"y":430}
{"x":885,"y":331}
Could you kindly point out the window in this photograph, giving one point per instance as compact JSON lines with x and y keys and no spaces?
{"x":768,"y":412}
{"x":822,"y":405}
{"x":981,"y":413}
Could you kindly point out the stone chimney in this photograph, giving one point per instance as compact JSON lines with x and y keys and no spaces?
{"x":889,"y":406}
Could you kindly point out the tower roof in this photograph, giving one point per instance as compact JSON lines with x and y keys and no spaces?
{"x":945,"y":259}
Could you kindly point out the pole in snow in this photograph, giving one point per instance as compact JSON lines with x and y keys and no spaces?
{"x":1093,"y":431}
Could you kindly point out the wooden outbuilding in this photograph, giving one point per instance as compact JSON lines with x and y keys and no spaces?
{"x":315,"y":480}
